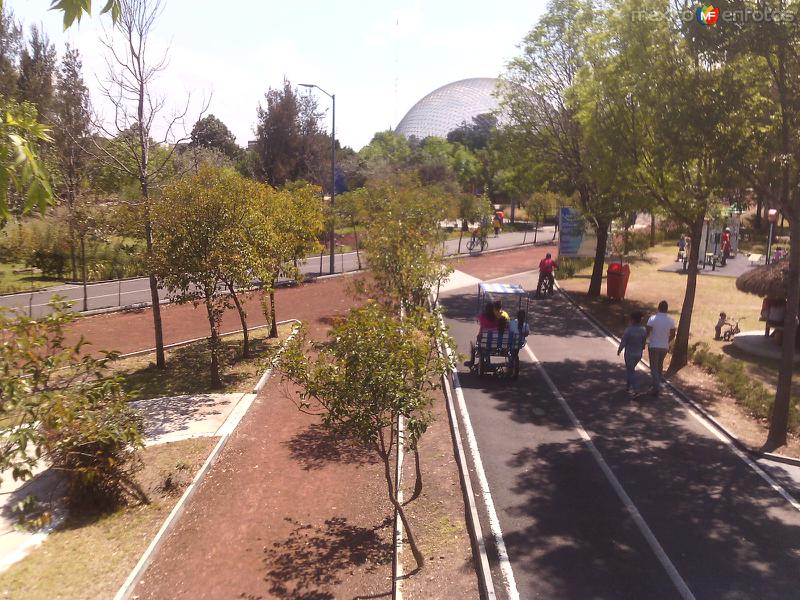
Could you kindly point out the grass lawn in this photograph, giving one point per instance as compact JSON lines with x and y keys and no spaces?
{"x":187,"y":369}
{"x":648,"y":285}
{"x":90,"y":555}
{"x":21,"y":282}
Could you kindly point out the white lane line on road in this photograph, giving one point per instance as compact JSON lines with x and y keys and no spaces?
{"x":494,"y":522}
{"x":699,"y":417}
{"x":644,"y":528}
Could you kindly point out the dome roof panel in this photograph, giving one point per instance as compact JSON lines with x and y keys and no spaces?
{"x":449,"y":106}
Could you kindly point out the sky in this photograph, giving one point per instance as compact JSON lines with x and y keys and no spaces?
{"x":378,"y":57}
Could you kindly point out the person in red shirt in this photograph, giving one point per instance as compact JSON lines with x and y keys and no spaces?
{"x":546,"y":268}
{"x":726,"y":245}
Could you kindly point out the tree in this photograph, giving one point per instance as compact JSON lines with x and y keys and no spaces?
{"x":538,"y":97}
{"x":210,"y":132}
{"x":37,"y":71}
{"x":375,"y":369}
{"x":291,"y":143}
{"x":206,"y":240}
{"x":72,"y":121}
{"x":404,"y":243}
{"x":295,"y":216}
{"x":351,"y":209}
{"x":768,"y":63}
{"x":10,"y":47}
{"x":475,"y":135}
{"x":20,"y":166}
{"x":58,"y":404}
{"x":434,"y":161}
{"x":136,"y":154}
{"x":677,"y":122}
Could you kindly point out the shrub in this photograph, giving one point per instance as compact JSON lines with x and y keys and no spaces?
{"x":58,"y":401}
{"x":734,"y":381}
{"x":567,"y":267}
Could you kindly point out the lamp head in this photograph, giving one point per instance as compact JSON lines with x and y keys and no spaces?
{"x":772,"y":215}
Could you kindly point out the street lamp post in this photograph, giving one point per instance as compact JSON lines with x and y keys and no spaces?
{"x":333,"y":172}
{"x":772,"y":216}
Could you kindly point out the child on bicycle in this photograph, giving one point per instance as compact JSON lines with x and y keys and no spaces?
{"x":546,"y":268}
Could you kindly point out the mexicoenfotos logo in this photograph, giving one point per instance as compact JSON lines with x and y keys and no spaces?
{"x":707,"y":14}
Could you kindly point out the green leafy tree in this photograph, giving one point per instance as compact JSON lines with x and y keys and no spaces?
{"x":676,"y":123}
{"x":135,"y":153}
{"x":351,"y":209}
{"x":210,"y":132}
{"x":207,"y":237}
{"x":10,"y":48}
{"x":374,"y":369}
{"x":404,"y":242}
{"x":72,"y":129}
{"x":37,"y":72}
{"x":58,"y":404}
{"x":538,"y":95}
{"x":20,"y":166}
{"x":291,"y":143}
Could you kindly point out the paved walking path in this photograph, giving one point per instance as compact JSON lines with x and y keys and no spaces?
{"x":599,"y":495}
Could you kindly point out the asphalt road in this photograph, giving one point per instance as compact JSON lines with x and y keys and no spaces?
{"x":599,"y":495}
{"x":135,"y":291}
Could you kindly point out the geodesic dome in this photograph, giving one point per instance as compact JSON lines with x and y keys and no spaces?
{"x":447,"y":107}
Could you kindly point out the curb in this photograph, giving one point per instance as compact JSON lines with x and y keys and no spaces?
{"x":135,"y":575}
{"x":477,"y":541}
{"x":688,"y":399}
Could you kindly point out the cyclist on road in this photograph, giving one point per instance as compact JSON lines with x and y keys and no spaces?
{"x":546,"y":268}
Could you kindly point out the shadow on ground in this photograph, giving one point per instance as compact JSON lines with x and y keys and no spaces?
{"x":315,"y":446}
{"x":313,"y":560}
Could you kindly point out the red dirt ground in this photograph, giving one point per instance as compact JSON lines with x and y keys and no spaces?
{"x":285,"y":512}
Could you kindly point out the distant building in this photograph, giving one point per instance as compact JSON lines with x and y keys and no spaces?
{"x":447,"y":107}
{"x":251,"y":145}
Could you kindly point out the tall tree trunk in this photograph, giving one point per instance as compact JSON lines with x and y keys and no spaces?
{"x":273,"y":331}
{"x":757,"y":221}
{"x":513,"y":209}
{"x":412,"y":541}
{"x":652,"y":229}
{"x":358,"y":251}
{"x":460,"y":237}
{"x":73,"y":259}
{"x":596,"y":283}
{"x":243,"y":318}
{"x":213,"y":341}
{"x":680,"y":353}
{"x":779,"y":422}
{"x":161,"y":361}
{"x":84,"y":274}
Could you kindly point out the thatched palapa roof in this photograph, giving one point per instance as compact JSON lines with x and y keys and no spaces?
{"x":768,"y":281}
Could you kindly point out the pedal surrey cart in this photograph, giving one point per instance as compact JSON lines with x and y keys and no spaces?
{"x":504,"y":345}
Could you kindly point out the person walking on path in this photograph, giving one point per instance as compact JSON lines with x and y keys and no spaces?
{"x":633,"y":343}
{"x":660,"y":331}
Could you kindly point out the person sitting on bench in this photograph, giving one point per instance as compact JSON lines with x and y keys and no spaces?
{"x":487,"y":320}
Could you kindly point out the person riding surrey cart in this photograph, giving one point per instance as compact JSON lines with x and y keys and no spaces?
{"x":498,"y":335}
{"x":547,"y":267}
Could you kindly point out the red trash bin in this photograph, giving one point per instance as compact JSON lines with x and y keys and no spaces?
{"x":617,"y":280}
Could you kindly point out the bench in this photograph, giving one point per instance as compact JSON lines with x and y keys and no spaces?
{"x":755,"y":259}
{"x":712,"y":259}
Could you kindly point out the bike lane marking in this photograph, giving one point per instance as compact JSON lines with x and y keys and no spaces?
{"x":641,"y":524}
{"x":644,"y":368}
{"x":510,"y":582}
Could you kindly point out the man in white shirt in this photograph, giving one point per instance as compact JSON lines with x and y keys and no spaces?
{"x":660,"y":331}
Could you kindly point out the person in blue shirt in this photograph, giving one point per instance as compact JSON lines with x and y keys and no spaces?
{"x":633,"y":343}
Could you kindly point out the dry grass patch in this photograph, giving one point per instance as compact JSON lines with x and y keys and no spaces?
{"x":90,"y":554}
{"x":187,"y":369}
